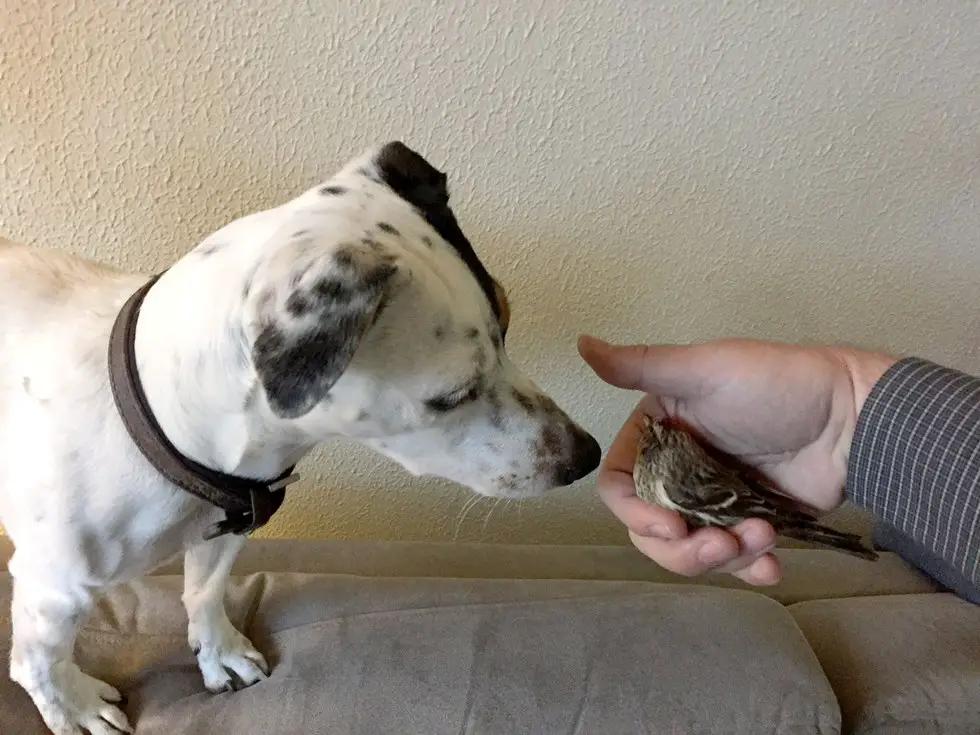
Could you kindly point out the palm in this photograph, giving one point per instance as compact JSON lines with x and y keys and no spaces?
{"x":780,"y":412}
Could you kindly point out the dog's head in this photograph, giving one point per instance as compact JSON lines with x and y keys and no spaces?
{"x":372,"y":317}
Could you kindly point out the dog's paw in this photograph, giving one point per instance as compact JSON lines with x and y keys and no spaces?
{"x":72,"y":702}
{"x":228,"y":660}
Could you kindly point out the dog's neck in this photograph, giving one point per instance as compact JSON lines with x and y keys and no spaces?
{"x":195,"y":370}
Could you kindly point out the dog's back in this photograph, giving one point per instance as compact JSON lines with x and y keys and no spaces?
{"x":49,"y":297}
{"x":34,"y":278}
{"x":56,"y":311}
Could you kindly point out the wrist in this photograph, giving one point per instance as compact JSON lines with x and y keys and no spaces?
{"x":863,"y":368}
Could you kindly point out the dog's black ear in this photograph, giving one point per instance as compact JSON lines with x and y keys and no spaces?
{"x":423,"y":186}
{"x":412,"y":177}
{"x":308,"y":335}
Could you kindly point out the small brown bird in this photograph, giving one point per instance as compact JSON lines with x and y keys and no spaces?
{"x":674,"y":472}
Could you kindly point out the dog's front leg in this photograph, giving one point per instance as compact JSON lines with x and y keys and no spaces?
{"x":220,"y":649}
{"x":46,"y":620}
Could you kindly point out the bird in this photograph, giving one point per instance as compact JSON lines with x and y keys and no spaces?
{"x":673,"y":471}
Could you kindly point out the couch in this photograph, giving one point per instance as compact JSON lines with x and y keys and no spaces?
{"x":377,"y":637}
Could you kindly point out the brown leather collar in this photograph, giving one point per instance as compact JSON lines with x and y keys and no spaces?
{"x":248,"y":504}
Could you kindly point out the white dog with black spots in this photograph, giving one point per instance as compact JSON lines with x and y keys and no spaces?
{"x":357,"y":309}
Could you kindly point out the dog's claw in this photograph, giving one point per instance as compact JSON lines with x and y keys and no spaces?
{"x":84,"y":703}
{"x":259,"y":660}
{"x":230,"y":662}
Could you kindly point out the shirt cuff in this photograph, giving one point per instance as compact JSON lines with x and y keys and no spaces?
{"x":915,"y":460}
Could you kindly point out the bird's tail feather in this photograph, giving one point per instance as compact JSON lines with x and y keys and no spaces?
{"x":823,"y":536}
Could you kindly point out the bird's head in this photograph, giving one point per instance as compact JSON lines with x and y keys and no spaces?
{"x":654,"y":433}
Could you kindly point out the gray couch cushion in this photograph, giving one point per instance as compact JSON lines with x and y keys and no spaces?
{"x":901,"y":665}
{"x":359,"y":655}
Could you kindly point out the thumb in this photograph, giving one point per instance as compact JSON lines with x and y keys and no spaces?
{"x":662,"y":369}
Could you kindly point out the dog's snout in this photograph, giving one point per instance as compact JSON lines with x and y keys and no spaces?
{"x":585,"y":456}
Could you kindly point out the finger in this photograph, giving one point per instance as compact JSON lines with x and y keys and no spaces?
{"x":668,"y":370}
{"x":618,"y":491}
{"x":702,"y":551}
{"x":764,"y":571}
{"x":755,"y":538}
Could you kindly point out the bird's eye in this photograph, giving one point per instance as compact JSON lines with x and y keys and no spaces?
{"x":449,"y":401}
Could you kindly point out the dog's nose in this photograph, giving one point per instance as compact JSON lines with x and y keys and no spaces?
{"x":586,"y":454}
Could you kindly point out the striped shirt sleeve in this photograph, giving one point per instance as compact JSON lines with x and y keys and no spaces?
{"x":915,"y":462}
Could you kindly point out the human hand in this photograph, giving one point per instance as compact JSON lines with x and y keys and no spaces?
{"x":788,"y":411}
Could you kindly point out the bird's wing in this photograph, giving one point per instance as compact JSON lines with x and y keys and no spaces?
{"x":707,"y":490}
{"x":723,"y":495}
{"x":765,"y":493}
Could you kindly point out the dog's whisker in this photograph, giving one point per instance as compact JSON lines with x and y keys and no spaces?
{"x":470,"y":503}
{"x":489,"y":513}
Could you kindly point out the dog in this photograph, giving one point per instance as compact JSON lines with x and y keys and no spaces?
{"x":357,"y":309}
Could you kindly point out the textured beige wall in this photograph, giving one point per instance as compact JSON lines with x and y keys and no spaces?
{"x":642,"y":170}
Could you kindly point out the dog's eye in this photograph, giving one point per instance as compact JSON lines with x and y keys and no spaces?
{"x":449,"y":401}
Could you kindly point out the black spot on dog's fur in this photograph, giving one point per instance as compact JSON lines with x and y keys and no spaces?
{"x":301,"y":233}
{"x":297,"y":371}
{"x":427,"y":241}
{"x":548,"y":445}
{"x":496,"y":409}
{"x":299,"y":304}
{"x":507,"y":482}
{"x":206,"y":250}
{"x":250,"y":397}
{"x":472,"y":333}
{"x":298,"y":364}
{"x":372,"y":243}
{"x":332,"y":289}
{"x":344,"y":257}
{"x":548,"y":406}
{"x":442,"y":327}
{"x":525,"y":402}
{"x":551,"y":440}
{"x":377,"y":277}
{"x":333,"y":190}
{"x":390,"y":229}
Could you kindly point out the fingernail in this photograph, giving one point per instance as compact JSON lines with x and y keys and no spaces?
{"x":712,"y":553}
{"x":595,"y":341}
{"x":754,"y":577}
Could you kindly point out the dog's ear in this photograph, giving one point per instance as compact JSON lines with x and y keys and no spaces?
{"x":412,"y":177}
{"x":310,"y":325}
{"x":423,"y":186}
